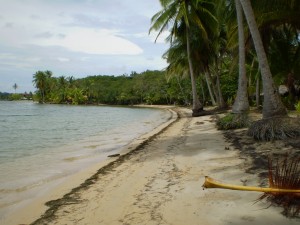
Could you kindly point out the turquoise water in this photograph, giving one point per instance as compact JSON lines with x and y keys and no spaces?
{"x":40,"y":144}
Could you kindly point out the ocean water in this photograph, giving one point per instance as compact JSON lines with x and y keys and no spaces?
{"x":41,"y":144}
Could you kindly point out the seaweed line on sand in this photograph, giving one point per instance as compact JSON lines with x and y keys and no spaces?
{"x":73,"y":196}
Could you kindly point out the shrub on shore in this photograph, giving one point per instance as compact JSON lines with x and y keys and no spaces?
{"x":233,"y":121}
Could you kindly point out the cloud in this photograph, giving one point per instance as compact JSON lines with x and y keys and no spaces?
{"x":72,"y":37}
{"x":62,"y":59}
{"x":8,"y":25}
{"x":91,"y":41}
{"x":77,"y":32}
{"x":45,"y":34}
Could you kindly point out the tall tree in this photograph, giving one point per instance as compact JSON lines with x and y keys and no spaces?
{"x":15,"y":86}
{"x":272,"y":105}
{"x":178,"y":13}
{"x":40,"y":82}
{"x":178,"y":66}
{"x":241,"y":103}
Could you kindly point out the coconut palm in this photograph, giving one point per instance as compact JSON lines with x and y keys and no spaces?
{"x":241,"y":103}
{"x":279,"y":24}
{"x":62,"y":86}
{"x":178,"y":65}
{"x":40,"y":82}
{"x":272,"y":105}
{"x":217,"y":51}
{"x":15,"y":86}
{"x":184,"y":13}
{"x":177,"y":58}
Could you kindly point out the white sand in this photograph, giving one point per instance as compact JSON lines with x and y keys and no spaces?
{"x":161,"y":184}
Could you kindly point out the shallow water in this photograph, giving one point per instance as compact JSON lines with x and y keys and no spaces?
{"x":40,"y":144}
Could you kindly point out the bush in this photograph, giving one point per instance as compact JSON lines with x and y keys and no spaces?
{"x":15,"y":97}
{"x":297,"y":107}
{"x":233,"y":121}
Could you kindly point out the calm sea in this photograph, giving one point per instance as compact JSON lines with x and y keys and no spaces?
{"x":40,"y":144}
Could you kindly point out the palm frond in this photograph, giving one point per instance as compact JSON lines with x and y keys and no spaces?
{"x":284,"y":175}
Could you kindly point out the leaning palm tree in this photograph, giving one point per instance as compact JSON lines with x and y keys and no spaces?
{"x":238,"y":118}
{"x":275,"y":123}
{"x":241,"y":103}
{"x":272,"y":105}
{"x":176,"y":13}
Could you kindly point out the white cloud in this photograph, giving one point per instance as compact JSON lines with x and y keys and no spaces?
{"x":62,"y":59}
{"x":7,"y":56}
{"x":61,"y":29}
{"x":78,"y":38}
{"x":91,"y":41}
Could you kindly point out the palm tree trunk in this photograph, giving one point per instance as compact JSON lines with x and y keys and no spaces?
{"x":241,"y":103}
{"x":181,"y":90}
{"x":272,"y":105}
{"x":221,"y":102}
{"x":197,"y":106}
{"x":43,"y":97}
{"x":257,"y":92}
{"x":214,"y":88}
{"x":209,"y":90}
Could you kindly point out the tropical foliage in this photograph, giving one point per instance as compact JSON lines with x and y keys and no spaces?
{"x":205,"y":43}
{"x":149,"y":87}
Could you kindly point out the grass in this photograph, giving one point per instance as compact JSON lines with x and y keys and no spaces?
{"x":233,"y":121}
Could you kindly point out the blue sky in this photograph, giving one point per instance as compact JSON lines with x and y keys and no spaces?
{"x":76,"y":38}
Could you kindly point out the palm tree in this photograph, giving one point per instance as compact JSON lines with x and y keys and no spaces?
{"x":15,"y":86}
{"x":272,"y":105}
{"x":241,"y":103}
{"x":178,"y":65}
{"x":183,"y":13}
{"x":217,"y":51}
{"x":40,"y":82}
{"x":62,"y":86}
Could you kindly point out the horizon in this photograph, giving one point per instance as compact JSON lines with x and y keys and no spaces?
{"x":76,"y":39}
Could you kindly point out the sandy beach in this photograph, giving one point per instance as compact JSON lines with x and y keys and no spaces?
{"x":158,"y":180}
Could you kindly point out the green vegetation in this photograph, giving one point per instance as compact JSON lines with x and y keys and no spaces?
{"x":220,"y":52}
{"x":233,"y":121}
{"x":149,"y":87}
{"x":4,"y":96}
{"x":16,"y":96}
{"x":297,"y":106}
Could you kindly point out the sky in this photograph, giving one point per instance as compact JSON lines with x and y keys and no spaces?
{"x":76,"y":38}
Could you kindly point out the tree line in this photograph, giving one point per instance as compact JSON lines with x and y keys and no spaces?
{"x":260,"y":39}
{"x":257,"y":39}
{"x":148,"y":87}
{"x":225,"y":52}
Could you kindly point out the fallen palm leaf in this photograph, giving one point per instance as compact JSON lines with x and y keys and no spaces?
{"x":211,"y":183}
{"x":284,"y":185}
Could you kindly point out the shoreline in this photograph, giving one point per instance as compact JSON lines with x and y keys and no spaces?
{"x":159,"y":181}
{"x":33,"y":209}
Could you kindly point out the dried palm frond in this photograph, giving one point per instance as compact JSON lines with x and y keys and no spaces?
{"x":284,"y":185}
{"x":285,"y":175}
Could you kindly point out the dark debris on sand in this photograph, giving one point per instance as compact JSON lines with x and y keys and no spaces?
{"x":259,"y":153}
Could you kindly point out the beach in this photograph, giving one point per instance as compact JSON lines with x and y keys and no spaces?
{"x":158,"y":179}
